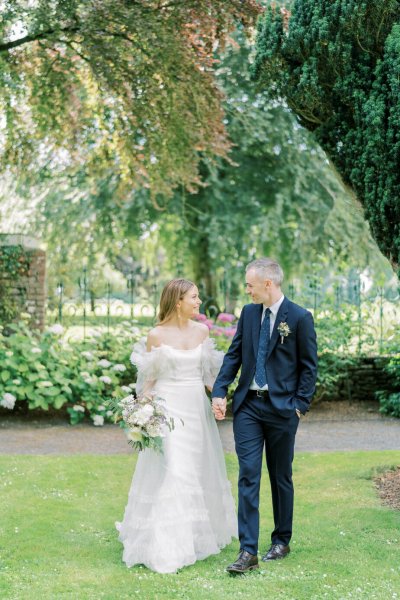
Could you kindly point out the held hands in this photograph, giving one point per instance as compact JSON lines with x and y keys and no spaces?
{"x":219,"y":408}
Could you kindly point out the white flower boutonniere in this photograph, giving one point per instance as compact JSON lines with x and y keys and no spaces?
{"x":284,"y":330}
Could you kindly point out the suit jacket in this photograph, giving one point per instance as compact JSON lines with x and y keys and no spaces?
{"x":291,"y":366}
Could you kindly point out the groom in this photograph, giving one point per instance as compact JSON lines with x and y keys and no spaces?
{"x":275,"y":347}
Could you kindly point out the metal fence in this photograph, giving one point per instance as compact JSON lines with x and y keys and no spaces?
{"x":373,"y":307}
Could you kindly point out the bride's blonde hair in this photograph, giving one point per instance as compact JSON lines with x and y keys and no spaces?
{"x":170,"y":296}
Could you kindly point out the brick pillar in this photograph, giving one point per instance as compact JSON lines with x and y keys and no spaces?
{"x":22,"y":277}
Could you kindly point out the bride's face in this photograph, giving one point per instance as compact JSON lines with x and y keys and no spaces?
{"x":190,"y":303}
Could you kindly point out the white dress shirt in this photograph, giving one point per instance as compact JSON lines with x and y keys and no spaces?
{"x":272,"y":318}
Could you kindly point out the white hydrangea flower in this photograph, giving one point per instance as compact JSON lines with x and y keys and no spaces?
{"x":104,"y":363}
{"x":105,"y":379}
{"x":16,"y":381}
{"x":8,"y":400}
{"x":84,"y":374}
{"x":126,"y":389}
{"x":57,"y":329}
{"x":132,"y":386}
{"x":98,"y":420}
{"x":36,"y":350}
{"x":119,"y":367}
{"x":101,"y":407}
{"x":143,"y":414}
{"x":109,"y":413}
{"x":9,"y":353}
{"x":87,"y":354}
{"x":78,"y":408}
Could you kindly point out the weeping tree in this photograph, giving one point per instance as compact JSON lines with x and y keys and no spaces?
{"x":119,"y":86}
{"x":337,"y":64}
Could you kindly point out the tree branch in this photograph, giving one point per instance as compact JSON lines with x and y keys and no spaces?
{"x":5,"y":47}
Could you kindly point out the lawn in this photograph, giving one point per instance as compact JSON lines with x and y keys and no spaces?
{"x":57,"y":537}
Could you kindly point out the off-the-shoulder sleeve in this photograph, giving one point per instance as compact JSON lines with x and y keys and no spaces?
{"x":211,"y":360}
{"x":149,"y":365}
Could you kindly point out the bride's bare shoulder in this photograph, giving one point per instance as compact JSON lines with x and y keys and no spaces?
{"x":154,"y":338}
{"x":201,"y":329}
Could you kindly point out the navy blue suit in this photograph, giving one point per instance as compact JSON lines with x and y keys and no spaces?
{"x":270,"y":422}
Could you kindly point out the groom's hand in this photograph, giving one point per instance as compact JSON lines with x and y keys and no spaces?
{"x":219,"y":408}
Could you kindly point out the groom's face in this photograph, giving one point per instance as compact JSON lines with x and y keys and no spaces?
{"x":258,"y":287}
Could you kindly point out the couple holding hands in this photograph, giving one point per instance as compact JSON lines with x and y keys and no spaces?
{"x":180,"y":507}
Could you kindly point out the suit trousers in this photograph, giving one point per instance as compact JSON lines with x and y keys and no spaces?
{"x":257,"y":425}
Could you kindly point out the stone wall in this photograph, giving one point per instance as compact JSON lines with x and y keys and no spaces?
{"x":364,"y":378}
{"x":23,"y":278}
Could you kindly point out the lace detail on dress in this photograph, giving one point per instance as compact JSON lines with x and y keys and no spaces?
{"x":211,"y":361}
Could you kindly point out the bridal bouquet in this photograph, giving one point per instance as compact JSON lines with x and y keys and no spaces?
{"x":145,"y":420}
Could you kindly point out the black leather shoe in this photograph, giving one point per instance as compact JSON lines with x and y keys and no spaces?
{"x":244,"y":562}
{"x":275,"y":552}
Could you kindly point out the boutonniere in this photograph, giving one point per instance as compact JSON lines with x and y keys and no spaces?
{"x":284,"y":330}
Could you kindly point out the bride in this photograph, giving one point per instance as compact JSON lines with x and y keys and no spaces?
{"x":180,"y":507}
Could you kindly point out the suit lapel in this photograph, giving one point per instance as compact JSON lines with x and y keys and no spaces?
{"x":280,"y":318}
{"x":256,"y":327}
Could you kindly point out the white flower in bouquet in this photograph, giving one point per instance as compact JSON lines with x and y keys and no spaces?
{"x":16,"y":381}
{"x":135,"y":434}
{"x":119,"y":367}
{"x":85,"y":374}
{"x":36,"y":350}
{"x":8,"y":401}
{"x":101,"y":407}
{"x":78,"y":408}
{"x":104,"y":363}
{"x":132,"y":386}
{"x":98,"y":420}
{"x":125,"y":388}
{"x":57,"y":329}
{"x":154,"y":430}
{"x":105,"y":379}
{"x":143,"y":415}
{"x":87,"y":354}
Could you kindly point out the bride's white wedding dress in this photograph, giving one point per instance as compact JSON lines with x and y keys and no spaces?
{"x":180,"y":507}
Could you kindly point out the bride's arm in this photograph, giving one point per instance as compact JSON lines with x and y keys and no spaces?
{"x":151,"y":342}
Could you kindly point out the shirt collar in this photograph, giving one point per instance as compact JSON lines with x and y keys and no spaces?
{"x":275,"y":307}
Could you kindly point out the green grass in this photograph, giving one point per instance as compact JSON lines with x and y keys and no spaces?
{"x":57,"y":536}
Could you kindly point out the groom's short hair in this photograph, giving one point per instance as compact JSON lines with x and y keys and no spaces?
{"x":268,"y":268}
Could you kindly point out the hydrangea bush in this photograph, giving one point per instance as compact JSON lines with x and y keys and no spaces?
{"x":52,"y":371}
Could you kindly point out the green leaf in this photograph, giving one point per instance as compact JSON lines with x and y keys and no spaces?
{"x":5,"y":375}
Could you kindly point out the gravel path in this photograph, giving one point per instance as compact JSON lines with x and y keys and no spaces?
{"x":327,"y":427}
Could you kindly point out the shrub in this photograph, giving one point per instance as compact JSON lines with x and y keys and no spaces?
{"x":390,"y":402}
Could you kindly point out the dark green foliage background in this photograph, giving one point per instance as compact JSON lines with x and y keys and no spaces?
{"x":338,"y":65}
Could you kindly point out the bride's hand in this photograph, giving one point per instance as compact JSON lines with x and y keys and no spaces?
{"x":219,"y":408}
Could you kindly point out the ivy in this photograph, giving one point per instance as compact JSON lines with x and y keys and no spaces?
{"x":14,"y":264}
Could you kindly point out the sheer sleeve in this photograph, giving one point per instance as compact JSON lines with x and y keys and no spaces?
{"x":149,"y":365}
{"x":211,"y":362}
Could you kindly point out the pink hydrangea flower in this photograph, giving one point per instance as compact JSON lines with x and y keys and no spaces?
{"x":226,"y":318}
{"x":208,"y":323}
{"x":230,"y":331}
{"x":200,"y":317}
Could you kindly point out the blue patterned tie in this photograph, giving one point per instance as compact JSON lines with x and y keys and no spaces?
{"x":263,"y":344}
